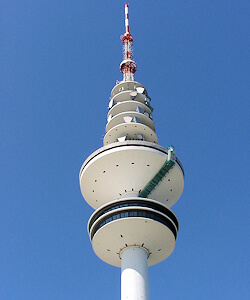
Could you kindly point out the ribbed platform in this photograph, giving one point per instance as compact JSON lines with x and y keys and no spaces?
{"x":130,"y":105}
{"x":131,"y":131}
{"x":119,"y":119}
{"x":126,"y":85}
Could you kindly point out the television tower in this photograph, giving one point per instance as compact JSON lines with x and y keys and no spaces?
{"x":131,"y":182}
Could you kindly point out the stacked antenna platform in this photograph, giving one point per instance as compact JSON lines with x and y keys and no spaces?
{"x":132,"y":182}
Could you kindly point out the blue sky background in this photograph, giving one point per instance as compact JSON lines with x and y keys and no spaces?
{"x":59,"y":62}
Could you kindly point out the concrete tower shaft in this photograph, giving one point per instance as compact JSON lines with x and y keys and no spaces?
{"x":132,"y":182}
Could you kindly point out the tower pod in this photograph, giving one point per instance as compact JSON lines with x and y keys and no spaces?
{"x":130,"y":222}
{"x":125,"y":168}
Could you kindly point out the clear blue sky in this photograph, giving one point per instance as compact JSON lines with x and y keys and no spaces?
{"x":59,"y":62}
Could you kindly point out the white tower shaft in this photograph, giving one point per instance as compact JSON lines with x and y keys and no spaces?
{"x":134,"y":274}
{"x":131,"y":182}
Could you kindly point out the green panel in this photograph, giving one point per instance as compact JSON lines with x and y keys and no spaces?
{"x":168,"y":165}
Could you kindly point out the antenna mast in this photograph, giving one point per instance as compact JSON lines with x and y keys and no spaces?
{"x":128,"y":67}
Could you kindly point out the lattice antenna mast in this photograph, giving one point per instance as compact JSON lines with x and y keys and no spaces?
{"x":128,"y":67}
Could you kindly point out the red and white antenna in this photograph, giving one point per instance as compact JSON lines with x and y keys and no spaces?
{"x":126,"y":19}
{"x":128,"y":66}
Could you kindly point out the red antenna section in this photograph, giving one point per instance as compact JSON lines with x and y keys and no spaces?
{"x":128,"y":66}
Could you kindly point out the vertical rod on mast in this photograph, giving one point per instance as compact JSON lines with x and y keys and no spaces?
{"x":126,"y":19}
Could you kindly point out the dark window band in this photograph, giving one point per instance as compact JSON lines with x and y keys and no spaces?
{"x":134,"y":213}
{"x":129,"y":203}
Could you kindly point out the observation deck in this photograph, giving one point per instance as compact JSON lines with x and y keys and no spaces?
{"x":138,"y":222}
{"x":125,"y":168}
